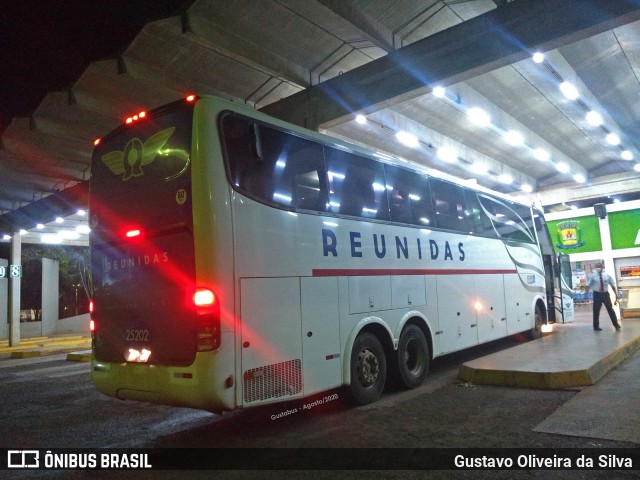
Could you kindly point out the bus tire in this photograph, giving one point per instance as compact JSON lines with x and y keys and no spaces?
{"x":368,"y":369}
{"x":536,"y":331}
{"x":411,"y":362}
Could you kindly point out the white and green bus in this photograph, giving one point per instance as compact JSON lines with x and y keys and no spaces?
{"x":239,"y":260}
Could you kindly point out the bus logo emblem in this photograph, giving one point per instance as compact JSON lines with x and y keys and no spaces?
{"x":136,"y":154}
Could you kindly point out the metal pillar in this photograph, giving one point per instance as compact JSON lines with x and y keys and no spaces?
{"x":14,"y":290}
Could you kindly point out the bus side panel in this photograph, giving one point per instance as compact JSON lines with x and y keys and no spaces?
{"x":491,"y":313}
{"x":321,"y":352}
{"x":271,"y":347}
{"x":518,"y":305}
{"x":369,"y":293}
{"x":408,"y":291}
{"x":457,"y":315}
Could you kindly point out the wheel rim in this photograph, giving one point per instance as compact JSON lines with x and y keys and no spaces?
{"x":414,"y":356}
{"x":368,"y":367}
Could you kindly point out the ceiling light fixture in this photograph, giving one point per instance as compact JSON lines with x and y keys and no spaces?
{"x":447,"y":154}
{"x":541,"y":154}
{"x":538,"y":57}
{"x":407,"y":139}
{"x":439,"y":92}
{"x":562,"y":167}
{"x":361,"y":119}
{"x":626,"y":155}
{"x":569,"y":90}
{"x":514,"y":138}
{"x":612,"y":139}
{"x":594,"y":118}
{"x":579,"y":178}
{"x":479,"y":116}
{"x":506,"y":178}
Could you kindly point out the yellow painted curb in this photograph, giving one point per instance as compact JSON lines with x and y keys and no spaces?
{"x":26,"y":354}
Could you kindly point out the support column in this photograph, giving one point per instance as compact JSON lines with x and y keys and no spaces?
{"x":14,"y":289}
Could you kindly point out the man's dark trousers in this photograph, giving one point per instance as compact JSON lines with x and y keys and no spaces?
{"x":598,"y":299}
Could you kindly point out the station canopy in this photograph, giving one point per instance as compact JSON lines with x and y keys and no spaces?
{"x":536,"y":99}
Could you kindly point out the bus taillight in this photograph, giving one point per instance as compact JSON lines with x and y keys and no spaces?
{"x":204,"y":298}
{"x":92,"y":324}
{"x":191,"y":98}
{"x":133,"y":233}
{"x":208,"y":319}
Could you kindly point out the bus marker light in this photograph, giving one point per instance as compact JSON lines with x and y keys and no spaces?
{"x":92,"y":326}
{"x":91,"y":305}
{"x":133,"y":233}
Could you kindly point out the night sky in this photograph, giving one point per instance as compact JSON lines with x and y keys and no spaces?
{"x":45,"y":45}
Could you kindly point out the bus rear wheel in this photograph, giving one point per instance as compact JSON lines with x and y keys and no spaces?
{"x":411,"y":362}
{"x":368,"y":369}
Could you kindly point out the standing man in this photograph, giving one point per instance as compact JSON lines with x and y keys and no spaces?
{"x":599,"y":282}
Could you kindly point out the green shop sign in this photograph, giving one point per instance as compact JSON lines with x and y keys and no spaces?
{"x":576,"y":235}
{"x":625,"y":229}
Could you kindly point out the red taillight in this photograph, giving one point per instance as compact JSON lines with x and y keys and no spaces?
{"x":92,"y":324}
{"x":204,"y":298}
{"x":133,"y":233}
{"x":191,"y":98}
{"x":97,"y":141}
{"x":208,"y":319}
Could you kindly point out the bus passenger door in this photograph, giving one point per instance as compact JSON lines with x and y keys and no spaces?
{"x":321,"y":354}
{"x":271,"y":331}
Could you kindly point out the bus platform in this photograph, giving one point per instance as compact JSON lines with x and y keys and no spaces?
{"x":573,"y":355}
{"x":76,"y":346}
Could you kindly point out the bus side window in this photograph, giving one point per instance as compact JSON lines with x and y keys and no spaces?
{"x":449,"y":205}
{"x":246,"y":169}
{"x":273,"y":166}
{"x":296,"y":170}
{"x":356,"y":185}
{"x":409,"y":196}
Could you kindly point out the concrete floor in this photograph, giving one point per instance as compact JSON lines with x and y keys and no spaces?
{"x":573,"y":355}
{"x":604,"y":366}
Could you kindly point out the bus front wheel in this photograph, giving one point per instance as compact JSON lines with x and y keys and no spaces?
{"x":536,"y":331}
{"x":411,"y":362}
{"x":368,"y":369}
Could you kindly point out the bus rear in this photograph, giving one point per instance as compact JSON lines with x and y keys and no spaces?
{"x":154,"y":331}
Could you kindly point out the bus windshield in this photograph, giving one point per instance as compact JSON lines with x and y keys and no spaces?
{"x":142,"y":240}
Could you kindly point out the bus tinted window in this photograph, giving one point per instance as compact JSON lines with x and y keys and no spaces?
{"x":511,"y":221}
{"x":273,"y":166}
{"x":356,"y":185}
{"x":409,"y":196}
{"x":480,"y":222}
{"x":449,"y":206}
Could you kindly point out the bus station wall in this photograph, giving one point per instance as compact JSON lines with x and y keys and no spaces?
{"x":615,"y":239}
